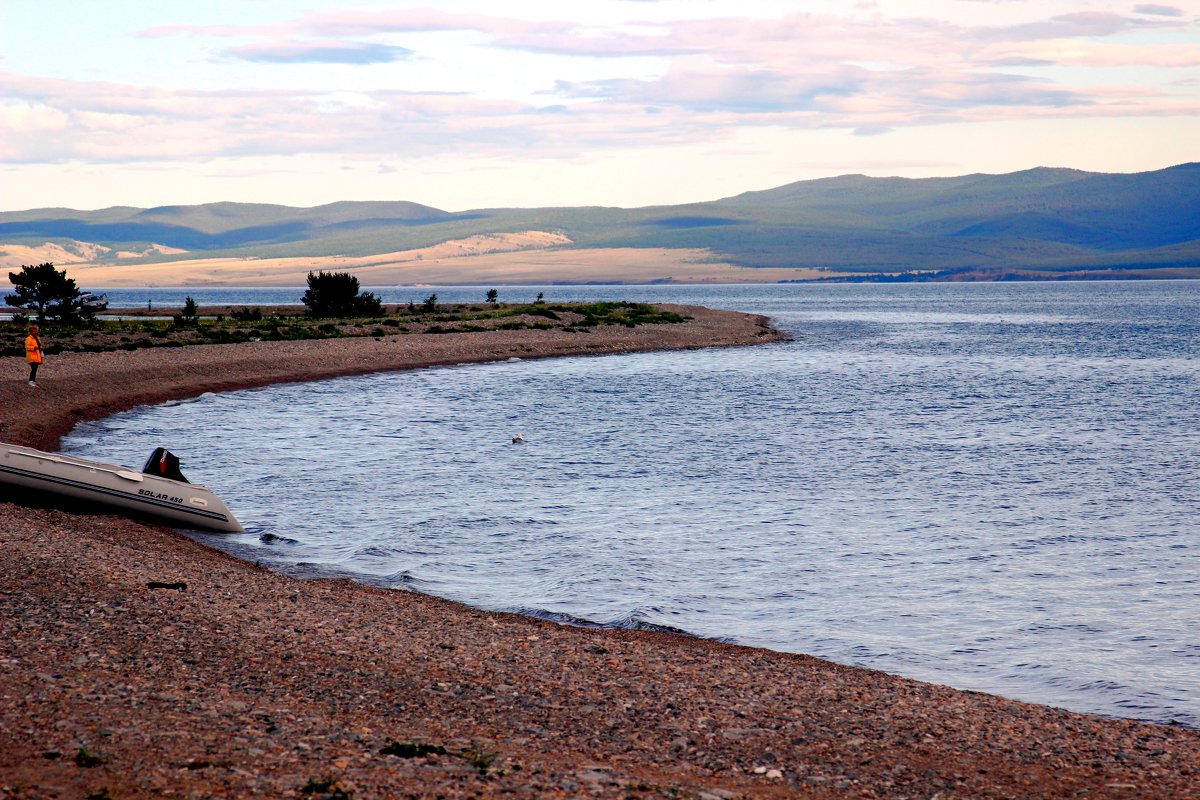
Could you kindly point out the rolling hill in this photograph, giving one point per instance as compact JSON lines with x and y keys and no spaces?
{"x":1038,"y":223}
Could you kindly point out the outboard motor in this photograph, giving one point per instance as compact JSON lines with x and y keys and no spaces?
{"x":164,"y":464}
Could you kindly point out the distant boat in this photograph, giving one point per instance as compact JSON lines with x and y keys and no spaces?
{"x":159,"y":491}
{"x":93,"y":302}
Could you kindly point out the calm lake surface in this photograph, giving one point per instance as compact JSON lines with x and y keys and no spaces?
{"x":993,"y":486}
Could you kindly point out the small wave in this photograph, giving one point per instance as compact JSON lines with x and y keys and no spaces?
{"x":636,"y":621}
{"x":633,"y":621}
{"x":403,"y":579}
{"x":187,"y":400}
{"x":376,"y":551}
{"x":554,"y":616}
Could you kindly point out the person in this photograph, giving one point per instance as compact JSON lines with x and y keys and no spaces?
{"x":33,"y":353}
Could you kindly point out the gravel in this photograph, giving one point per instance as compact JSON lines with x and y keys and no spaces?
{"x":135,"y":662}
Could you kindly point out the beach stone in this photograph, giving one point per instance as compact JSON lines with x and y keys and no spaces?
{"x":169,"y":702}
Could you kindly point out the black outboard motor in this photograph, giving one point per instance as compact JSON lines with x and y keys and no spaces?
{"x":164,"y":464}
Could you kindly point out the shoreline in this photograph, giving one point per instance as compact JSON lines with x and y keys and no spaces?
{"x":251,"y":683}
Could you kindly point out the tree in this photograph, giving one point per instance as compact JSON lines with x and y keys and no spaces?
{"x":189,"y":318}
{"x":493,"y":296}
{"x":48,"y":291}
{"x":335,"y":294}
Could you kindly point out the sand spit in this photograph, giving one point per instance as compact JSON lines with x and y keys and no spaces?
{"x":80,"y":386}
{"x":135,"y":662}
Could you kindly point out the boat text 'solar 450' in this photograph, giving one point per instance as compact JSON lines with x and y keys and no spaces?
{"x":159,"y":490}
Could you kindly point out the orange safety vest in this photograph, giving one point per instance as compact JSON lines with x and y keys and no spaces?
{"x":33,"y":349}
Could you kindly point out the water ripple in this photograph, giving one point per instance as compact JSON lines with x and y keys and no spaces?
{"x":991,"y":487}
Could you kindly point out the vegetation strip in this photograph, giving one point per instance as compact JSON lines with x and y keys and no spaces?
{"x":231,"y":326}
{"x":333,"y":307}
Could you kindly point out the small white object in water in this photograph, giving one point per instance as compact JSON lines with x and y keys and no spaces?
{"x":519,"y":438}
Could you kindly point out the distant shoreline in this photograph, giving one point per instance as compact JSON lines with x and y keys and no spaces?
{"x":1040,"y":222}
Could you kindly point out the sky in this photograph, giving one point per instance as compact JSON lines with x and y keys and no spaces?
{"x":463,"y":104}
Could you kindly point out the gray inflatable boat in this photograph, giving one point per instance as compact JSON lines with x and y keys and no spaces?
{"x":159,"y":491}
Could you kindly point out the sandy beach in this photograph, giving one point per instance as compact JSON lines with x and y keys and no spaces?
{"x":135,"y":662}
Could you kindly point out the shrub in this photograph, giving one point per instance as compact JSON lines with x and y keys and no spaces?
{"x":246,"y":314}
{"x":412,"y":750}
{"x":336,"y":294}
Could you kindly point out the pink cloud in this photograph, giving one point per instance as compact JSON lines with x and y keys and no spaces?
{"x":868,"y":74}
{"x":1067,"y":26}
{"x":50,"y":120}
{"x":352,"y":22}
{"x":700,"y":85}
{"x":348,"y":22}
{"x":1096,"y":54}
{"x":793,"y":42}
{"x":1158,"y":11}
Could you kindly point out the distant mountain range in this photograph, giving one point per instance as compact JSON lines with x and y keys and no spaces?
{"x":1038,"y":223}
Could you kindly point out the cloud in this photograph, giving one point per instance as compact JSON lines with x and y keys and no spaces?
{"x":1158,"y":11}
{"x":56,"y":121}
{"x":351,"y":22}
{"x":1067,"y":26}
{"x":1105,"y":55}
{"x":694,"y":80}
{"x":321,"y":52}
{"x":343,"y":23}
{"x":793,"y":42}
{"x":845,"y":96}
{"x":700,"y":85}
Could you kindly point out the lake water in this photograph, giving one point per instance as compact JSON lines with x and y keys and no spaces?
{"x":992,"y":486}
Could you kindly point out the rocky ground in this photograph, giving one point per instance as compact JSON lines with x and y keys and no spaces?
{"x":135,"y":662}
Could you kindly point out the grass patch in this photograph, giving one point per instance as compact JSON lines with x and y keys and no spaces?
{"x":87,"y":759}
{"x":412,"y":750}
{"x":249,"y":324}
{"x":325,"y":789}
{"x":479,"y":758}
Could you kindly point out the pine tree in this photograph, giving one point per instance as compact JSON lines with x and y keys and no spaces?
{"x":48,"y":291}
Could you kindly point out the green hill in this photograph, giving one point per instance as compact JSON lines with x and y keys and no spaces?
{"x":1040,"y":220}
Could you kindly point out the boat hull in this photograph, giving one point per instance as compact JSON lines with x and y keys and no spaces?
{"x":181,"y":504}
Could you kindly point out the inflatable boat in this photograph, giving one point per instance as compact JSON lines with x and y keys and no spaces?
{"x":159,"y":491}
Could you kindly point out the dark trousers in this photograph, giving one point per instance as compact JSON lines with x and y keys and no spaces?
{"x":33,"y":365}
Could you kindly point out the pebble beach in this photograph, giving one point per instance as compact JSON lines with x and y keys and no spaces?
{"x":135,"y":662}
